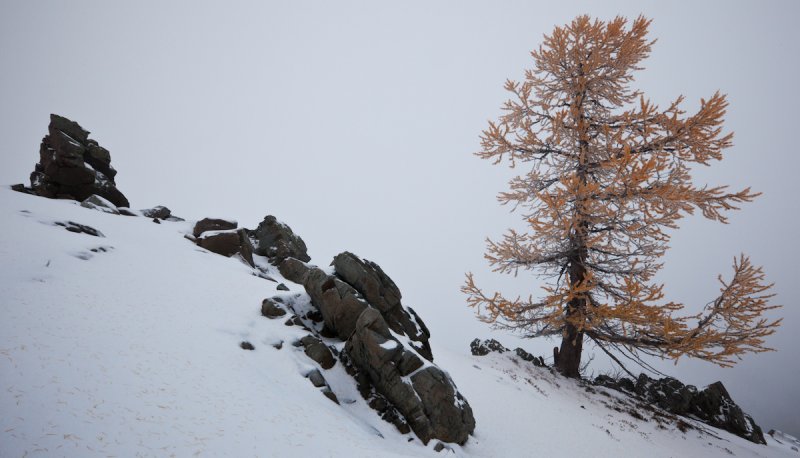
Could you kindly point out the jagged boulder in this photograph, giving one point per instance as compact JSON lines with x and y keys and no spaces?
{"x":73,"y":166}
{"x":277,"y":241}
{"x":157,"y":212}
{"x":715,"y":406}
{"x":382,"y":293}
{"x":712,"y":405}
{"x":483,"y":348}
{"x":213,"y":224}
{"x":424,"y":394}
{"x":226,"y":243}
{"x":338,"y":302}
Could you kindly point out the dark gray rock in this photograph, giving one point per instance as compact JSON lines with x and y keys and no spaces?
{"x":318,"y":351}
{"x":382,"y":293}
{"x":277,"y":241}
{"x":712,"y":405}
{"x":282,"y":287}
{"x":73,"y":166}
{"x":246,"y":247}
{"x":212,"y":224}
{"x":715,"y":406}
{"x":224,"y":243}
{"x":316,"y":379}
{"x":271,"y":307}
{"x":430,"y":403}
{"x":158,"y":212}
{"x":339,"y":303}
{"x":95,"y":202}
{"x":483,"y":348}
{"x":79,"y":228}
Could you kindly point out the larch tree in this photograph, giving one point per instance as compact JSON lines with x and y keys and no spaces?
{"x":606,"y":176}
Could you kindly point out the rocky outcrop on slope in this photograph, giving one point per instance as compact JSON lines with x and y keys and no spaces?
{"x":386,"y":347}
{"x":73,"y":166}
{"x":484,"y":347}
{"x":276,"y":241}
{"x":712,"y":405}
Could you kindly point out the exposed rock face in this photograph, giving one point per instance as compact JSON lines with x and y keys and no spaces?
{"x":225,"y":243}
{"x":430,"y":403}
{"x":277,"y":241}
{"x":381,"y":292}
{"x":483,"y":348}
{"x":73,"y":166}
{"x":712,"y":405}
{"x":212,"y":224}
{"x":386,"y":347}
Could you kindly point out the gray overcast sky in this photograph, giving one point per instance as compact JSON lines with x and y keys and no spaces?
{"x":353,"y":122}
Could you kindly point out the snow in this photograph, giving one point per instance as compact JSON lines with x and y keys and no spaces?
{"x":128,"y":345}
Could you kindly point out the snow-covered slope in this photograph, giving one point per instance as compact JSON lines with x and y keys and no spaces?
{"x":128,"y":345}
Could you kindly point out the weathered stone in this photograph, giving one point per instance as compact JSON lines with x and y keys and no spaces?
{"x":79,"y":228}
{"x":73,"y":166}
{"x":159,"y":212}
{"x":95,"y":202}
{"x":277,"y":241}
{"x":213,"y":224}
{"x":247,"y":346}
{"x":294,"y":270}
{"x":318,"y":351}
{"x":282,"y":287}
{"x":246,"y":247}
{"x":483,"y":348}
{"x":712,"y":405}
{"x":382,"y":293}
{"x":225,"y":243}
{"x":316,"y":378}
{"x":271,"y":308}
{"x":330,"y":395}
{"x":339,"y":303}
{"x":430,"y":404}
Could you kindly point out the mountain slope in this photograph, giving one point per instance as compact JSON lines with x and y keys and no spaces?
{"x":128,"y":345}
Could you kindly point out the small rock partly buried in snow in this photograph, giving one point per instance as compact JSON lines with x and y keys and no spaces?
{"x":483,"y":348}
{"x":282,"y":287}
{"x":247,"y":346}
{"x":316,"y":378}
{"x":95,"y":202}
{"x":79,"y":228}
{"x":160,"y":212}
{"x":271,"y":308}
{"x":156,"y":220}
{"x":330,"y":395}
{"x":318,"y":351}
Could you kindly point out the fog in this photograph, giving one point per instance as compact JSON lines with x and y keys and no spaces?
{"x":355,"y":124}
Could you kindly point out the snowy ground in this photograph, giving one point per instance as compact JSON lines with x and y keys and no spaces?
{"x":128,"y":345}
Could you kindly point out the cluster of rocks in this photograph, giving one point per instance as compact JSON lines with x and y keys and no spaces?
{"x":386,"y":347}
{"x":73,"y":166}
{"x":712,"y":405}
{"x":480,"y":347}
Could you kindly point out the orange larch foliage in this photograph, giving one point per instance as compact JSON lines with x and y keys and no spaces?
{"x":607,"y":174}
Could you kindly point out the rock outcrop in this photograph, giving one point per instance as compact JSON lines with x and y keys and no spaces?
{"x":73,"y":166}
{"x":276,"y":241}
{"x":712,"y":405}
{"x":386,"y":347}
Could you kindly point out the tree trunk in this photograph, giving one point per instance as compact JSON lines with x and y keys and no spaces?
{"x":569,"y":356}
